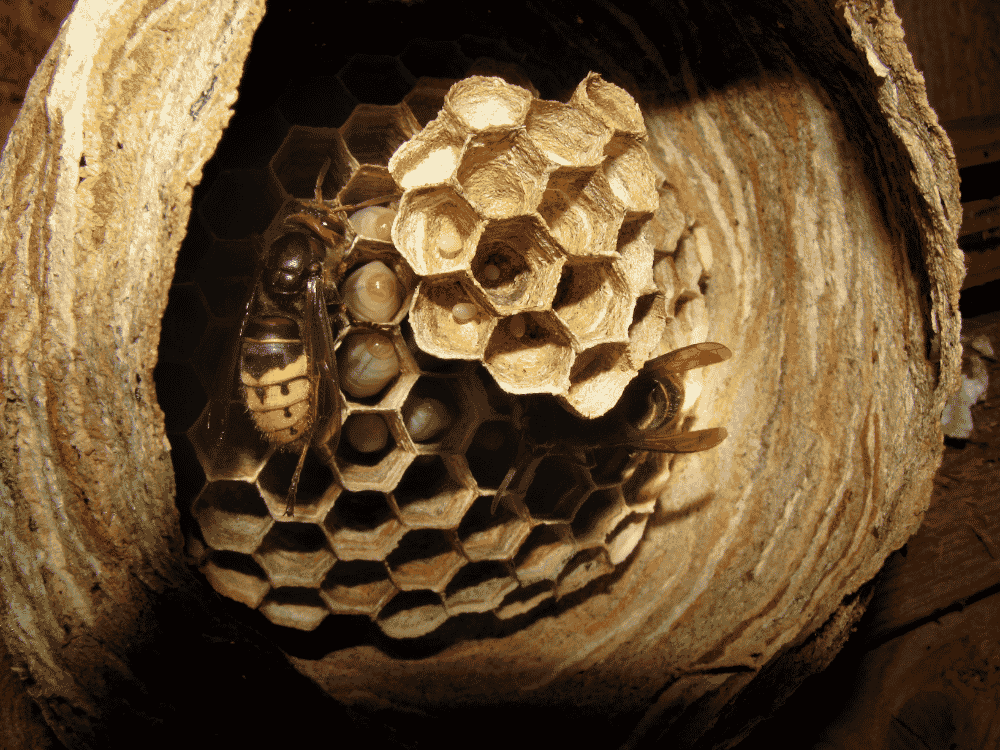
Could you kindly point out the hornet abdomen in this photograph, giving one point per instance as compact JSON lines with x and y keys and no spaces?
{"x":274,"y":374}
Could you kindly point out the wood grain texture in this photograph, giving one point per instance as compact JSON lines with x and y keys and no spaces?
{"x":121,"y":115}
{"x":955,"y":556}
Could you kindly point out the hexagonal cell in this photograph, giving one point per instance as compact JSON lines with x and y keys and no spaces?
{"x":301,"y":609}
{"x":376,"y":79}
{"x":424,"y":559}
{"x":429,"y":57}
{"x":582,"y":212}
{"x":378,"y":286}
{"x":449,"y":321}
{"x":492,"y":452}
{"x":238,"y":452}
{"x":237,"y":204}
{"x":586,"y":566}
{"x":559,"y":488}
{"x":431,"y":157}
{"x":428,"y":363}
{"x":357,"y":588}
{"x":636,"y":257}
{"x":232,"y":516}
{"x":517,"y":265}
{"x":315,"y":493}
{"x":411,"y":614}
{"x":544,"y":554}
{"x":625,"y":537}
{"x":597,"y":516}
{"x":478,"y":587}
{"x":237,"y":577}
{"x":433,"y":492}
{"x":525,"y":599}
{"x":632,"y":178}
{"x":184,"y":322}
{"x":373,"y":132}
{"x":296,"y":166}
{"x":369,"y":182}
{"x":179,"y":393}
{"x":611,"y":105}
{"x":594,"y":302}
{"x":486,"y":104}
{"x":316,"y":101}
{"x":382,"y":475}
{"x":479,"y":400}
{"x":438,"y":414}
{"x":427,"y":98}
{"x":363,"y":527}
{"x":502,"y":175}
{"x":491,"y":536}
{"x":530,"y":353}
{"x":295,"y":554}
{"x":598,"y":377}
{"x":367,"y":438}
{"x":500,"y":403}
{"x":567,"y":135}
{"x":436,"y":230}
{"x":371,"y":365}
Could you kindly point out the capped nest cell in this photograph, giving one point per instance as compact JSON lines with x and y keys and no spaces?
{"x":505,"y":266}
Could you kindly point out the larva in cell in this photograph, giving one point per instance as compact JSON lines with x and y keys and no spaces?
{"x":372,"y":293}
{"x":425,"y":418}
{"x":368,"y":361}
{"x":463,"y":312}
{"x":366,"y":433}
{"x":449,"y":241}
{"x":374,"y":222}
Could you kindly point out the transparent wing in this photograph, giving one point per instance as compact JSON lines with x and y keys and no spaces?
{"x":676,"y":442}
{"x":689,"y":358}
{"x":228,"y":373}
{"x":325,"y":418}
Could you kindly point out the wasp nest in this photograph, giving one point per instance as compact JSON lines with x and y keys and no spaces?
{"x":519,"y":245}
{"x":524,"y":218}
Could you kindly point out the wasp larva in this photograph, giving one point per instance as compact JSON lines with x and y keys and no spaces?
{"x":425,"y":418}
{"x":368,"y":362}
{"x":374,"y":222}
{"x":366,"y":433}
{"x":517,"y":326}
{"x":449,"y":241}
{"x":372,"y":293}
{"x":463,"y":312}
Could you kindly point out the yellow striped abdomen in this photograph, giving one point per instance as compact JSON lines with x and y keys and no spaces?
{"x":274,"y":374}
